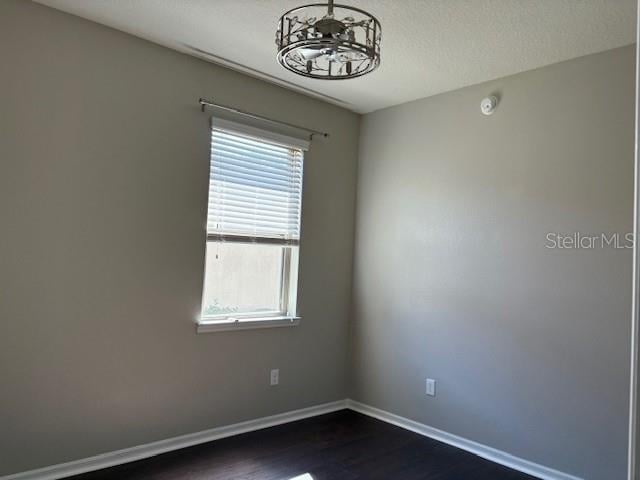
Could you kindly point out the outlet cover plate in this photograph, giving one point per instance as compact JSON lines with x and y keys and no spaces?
{"x":431,"y":387}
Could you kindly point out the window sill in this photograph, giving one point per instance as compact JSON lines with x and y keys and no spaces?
{"x":246,"y":324}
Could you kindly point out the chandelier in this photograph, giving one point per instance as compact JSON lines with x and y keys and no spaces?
{"x":329,"y":42}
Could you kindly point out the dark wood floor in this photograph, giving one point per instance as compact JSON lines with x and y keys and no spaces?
{"x":343,"y":446}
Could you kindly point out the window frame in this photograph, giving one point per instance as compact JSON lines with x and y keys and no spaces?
{"x":288,"y":314}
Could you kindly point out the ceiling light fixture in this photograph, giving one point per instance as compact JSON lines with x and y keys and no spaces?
{"x":329,"y":42}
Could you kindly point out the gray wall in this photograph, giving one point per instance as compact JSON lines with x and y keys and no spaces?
{"x":530,"y":346}
{"x":103,"y":185}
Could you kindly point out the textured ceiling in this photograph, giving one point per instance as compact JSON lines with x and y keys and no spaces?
{"x":428,"y":46}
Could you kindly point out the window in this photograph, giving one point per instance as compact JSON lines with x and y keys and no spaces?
{"x":253,"y":228}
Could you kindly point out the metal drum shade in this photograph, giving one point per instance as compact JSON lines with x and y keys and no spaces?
{"x":328,"y":42}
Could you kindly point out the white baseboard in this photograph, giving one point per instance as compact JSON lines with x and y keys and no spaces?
{"x":127,"y":455}
{"x":483,"y":451}
{"x":140,"y":452}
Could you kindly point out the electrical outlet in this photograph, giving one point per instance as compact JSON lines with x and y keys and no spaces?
{"x":431,"y":387}
{"x":275,"y":376}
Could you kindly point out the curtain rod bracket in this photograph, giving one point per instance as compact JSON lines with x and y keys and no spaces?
{"x":207,"y":103}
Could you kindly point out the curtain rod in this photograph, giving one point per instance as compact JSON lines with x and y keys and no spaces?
{"x":208,"y":103}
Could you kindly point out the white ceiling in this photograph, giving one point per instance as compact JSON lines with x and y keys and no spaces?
{"x":428,"y":46}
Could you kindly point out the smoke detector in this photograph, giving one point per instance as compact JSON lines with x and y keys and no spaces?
{"x":488,"y":105}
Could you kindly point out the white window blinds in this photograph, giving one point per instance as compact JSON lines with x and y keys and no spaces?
{"x":255,"y":189}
